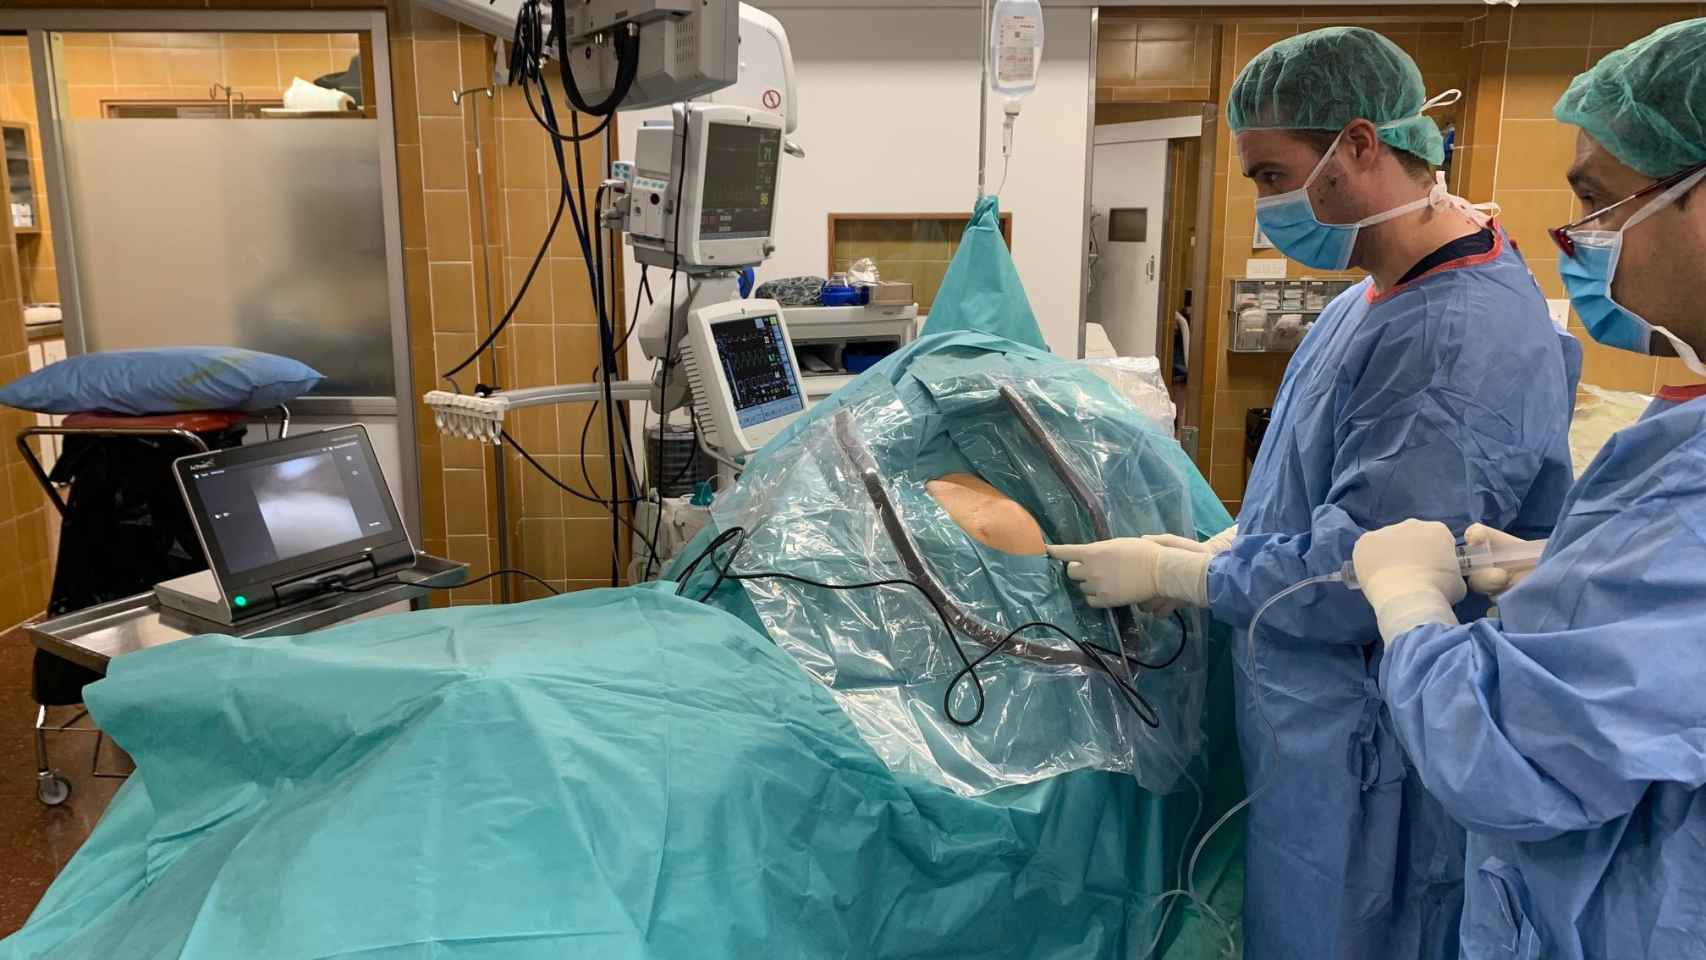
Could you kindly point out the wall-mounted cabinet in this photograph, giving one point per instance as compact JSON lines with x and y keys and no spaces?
{"x":1271,"y":316}
{"x":20,"y":180}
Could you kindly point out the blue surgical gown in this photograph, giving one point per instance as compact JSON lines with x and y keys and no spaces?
{"x":1569,"y":734}
{"x":1447,"y":398}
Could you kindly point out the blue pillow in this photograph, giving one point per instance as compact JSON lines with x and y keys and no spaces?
{"x":162,"y":380}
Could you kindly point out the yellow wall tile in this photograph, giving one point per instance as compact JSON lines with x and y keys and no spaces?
{"x":535,"y":306}
{"x":1550,"y":27}
{"x":1537,"y":154}
{"x":441,"y":154}
{"x":140,"y":67}
{"x":578,"y":349}
{"x":88,"y":66}
{"x":1624,"y":23}
{"x":1528,"y":215}
{"x":194,"y":67}
{"x":1116,"y":61}
{"x":438,"y":73}
{"x":307,"y":64}
{"x":1535,"y":79}
{"x":1163,"y":61}
{"x":1669,"y":372}
{"x":238,"y":40}
{"x":588,"y":548}
{"x":1543,"y":262}
{"x":1615,"y":369}
{"x":536,"y":357}
{"x":305,"y":41}
{"x":524,"y":148}
{"x":447,"y":225}
{"x":452,"y":297}
{"x":251,"y":68}
{"x":544,"y":547}
{"x":572,"y":291}
{"x":204,"y":40}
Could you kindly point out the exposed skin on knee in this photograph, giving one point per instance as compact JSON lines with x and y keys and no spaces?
{"x":987,"y":515}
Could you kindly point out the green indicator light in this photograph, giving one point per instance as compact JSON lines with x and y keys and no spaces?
{"x":240,"y":600}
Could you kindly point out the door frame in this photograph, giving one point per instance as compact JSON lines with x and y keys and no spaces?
{"x":1205,"y":127}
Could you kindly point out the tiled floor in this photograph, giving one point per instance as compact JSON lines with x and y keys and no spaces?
{"x":36,"y":841}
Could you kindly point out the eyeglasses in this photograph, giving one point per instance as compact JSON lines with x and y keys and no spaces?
{"x":1567,"y":244}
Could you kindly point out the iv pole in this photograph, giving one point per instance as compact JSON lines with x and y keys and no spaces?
{"x":983,"y":96}
{"x":498,"y":479}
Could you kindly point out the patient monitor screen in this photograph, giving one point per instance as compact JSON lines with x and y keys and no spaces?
{"x":760,"y":374}
{"x":740,"y":181}
{"x":270,"y":510}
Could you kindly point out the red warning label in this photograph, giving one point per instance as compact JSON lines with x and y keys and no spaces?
{"x":773,"y":99}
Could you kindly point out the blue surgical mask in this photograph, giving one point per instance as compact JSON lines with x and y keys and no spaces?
{"x":1589,"y":274}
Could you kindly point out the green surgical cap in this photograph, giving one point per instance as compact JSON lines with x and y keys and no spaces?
{"x":1646,"y":103}
{"x":1324,"y":79}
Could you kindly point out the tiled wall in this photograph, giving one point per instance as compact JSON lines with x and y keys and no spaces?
{"x":25,"y":570}
{"x":184,"y":66}
{"x":917,"y":251}
{"x":18,"y":105}
{"x":1153,"y":59}
{"x":553,"y":337}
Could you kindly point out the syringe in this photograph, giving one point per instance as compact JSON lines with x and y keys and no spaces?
{"x":1512,"y":557}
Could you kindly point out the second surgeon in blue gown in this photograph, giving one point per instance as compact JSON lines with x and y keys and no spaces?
{"x":1568,"y":733}
{"x":1438,"y":387}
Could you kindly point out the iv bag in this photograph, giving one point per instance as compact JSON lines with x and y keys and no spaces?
{"x":1015,"y":46}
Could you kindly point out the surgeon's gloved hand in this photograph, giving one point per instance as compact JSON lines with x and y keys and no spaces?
{"x":1213,"y":546}
{"x":1492,"y":581}
{"x":1134,"y":570}
{"x":1409,"y":574}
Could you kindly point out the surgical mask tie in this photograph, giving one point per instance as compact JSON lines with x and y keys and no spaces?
{"x":1588,"y":277}
{"x":1289,"y":219}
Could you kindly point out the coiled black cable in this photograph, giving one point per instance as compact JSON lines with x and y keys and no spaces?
{"x":1145,"y":711}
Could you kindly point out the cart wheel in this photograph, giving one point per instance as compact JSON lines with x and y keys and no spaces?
{"x":52,"y":789}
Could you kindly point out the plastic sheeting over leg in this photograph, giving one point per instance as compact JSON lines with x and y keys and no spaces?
{"x":807,"y":509}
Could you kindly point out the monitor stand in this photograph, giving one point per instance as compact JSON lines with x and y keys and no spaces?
{"x":196,"y":594}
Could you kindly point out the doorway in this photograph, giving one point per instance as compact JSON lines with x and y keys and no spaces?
{"x":1146,"y":161}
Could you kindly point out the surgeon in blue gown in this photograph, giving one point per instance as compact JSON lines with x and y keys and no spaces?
{"x":1568,"y":733}
{"x":1438,"y":387}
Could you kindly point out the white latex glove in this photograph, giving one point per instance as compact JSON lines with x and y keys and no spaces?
{"x":1132,"y":570}
{"x":1491,"y":581}
{"x":1222,"y":541}
{"x":1213,"y":546}
{"x":1409,"y":574}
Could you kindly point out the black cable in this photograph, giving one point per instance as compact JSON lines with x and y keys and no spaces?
{"x":607,"y":504}
{"x":587,"y":235}
{"x":339,"y":587}
{"x":607,"y":359}
{"x":550,"y":126}
{"x":613,"y":296}
{"x":669,"y":342}
{"x":515,"y":302}
{"x":627,"y":46}
{"x":710,"y":551}
{"x":527,"y":53}
{"x":1139,"y":704}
